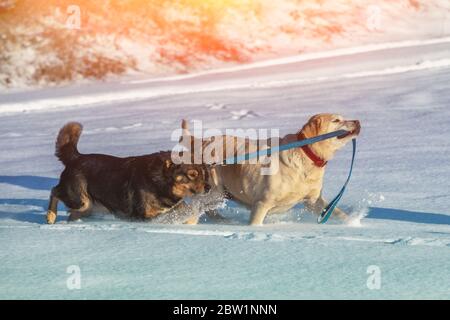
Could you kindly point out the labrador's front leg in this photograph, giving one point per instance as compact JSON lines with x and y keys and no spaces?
{"x":259,"y":212}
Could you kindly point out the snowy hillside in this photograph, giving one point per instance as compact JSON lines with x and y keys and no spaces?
{"x":63,"y":41}
{"x":401,"y":183}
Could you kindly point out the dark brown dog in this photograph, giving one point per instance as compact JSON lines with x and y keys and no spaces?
{"x":141,"y":187}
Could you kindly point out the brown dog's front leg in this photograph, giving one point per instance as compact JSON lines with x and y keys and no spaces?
{"x":52,"y":207}
{"x":184,"y":213}
{"x":180,"y":213}
{"x":317,"y":207}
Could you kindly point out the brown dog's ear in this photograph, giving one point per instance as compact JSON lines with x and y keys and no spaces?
{"x":192,"y":174}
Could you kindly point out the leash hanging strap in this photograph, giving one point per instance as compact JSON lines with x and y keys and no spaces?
{"x":328,"y":210}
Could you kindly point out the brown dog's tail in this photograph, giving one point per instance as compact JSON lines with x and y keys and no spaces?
{"x":66,"y":143}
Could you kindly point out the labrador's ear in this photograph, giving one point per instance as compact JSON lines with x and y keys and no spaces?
{"x":310,"y":127}
{"x":314,"y":126}
{"x":317,"y":125}
{"x":184,"y":124}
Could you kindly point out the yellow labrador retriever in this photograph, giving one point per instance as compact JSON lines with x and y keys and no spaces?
{"x":299,"y":177}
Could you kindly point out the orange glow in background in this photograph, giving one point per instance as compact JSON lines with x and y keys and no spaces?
{"x":162,"y":37}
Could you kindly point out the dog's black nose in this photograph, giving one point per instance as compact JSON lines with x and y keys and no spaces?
{"x":207,"y":187}
{"x":358,"y":126}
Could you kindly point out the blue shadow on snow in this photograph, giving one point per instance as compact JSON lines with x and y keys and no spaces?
{"x":33,"y":215}
{"x":30,"y":182}
{"x":408,"y":216}
{"x":46,"y":183}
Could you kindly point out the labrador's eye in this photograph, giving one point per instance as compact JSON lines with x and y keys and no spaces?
{"x":336,"y":120}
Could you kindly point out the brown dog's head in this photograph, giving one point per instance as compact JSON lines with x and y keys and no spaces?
{"x":186,"y":179}
{"x":325,"y":123}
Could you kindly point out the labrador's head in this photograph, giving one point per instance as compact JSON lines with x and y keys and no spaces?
{"x":325,"y":123}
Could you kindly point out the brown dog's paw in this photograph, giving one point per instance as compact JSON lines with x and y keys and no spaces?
{"x":74,"y":216}
{"x":51,"y":217}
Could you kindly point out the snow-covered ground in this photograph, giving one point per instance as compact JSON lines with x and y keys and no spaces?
{"x":401,"y":182}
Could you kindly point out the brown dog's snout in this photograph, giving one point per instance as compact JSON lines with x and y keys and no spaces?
{"x":200,"y":188}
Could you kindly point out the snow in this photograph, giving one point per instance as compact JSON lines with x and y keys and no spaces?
{"x":398,"y":194}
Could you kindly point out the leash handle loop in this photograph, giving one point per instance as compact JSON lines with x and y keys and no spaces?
{"x":328,"y":210}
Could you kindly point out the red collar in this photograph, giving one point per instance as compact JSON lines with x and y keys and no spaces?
{"x":319,"y":162}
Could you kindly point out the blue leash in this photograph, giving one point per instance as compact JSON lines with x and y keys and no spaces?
{"x":284,"y":147}
{"x":328,"y":210}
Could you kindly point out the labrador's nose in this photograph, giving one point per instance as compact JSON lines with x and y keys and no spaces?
{"x":357,"y":126}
